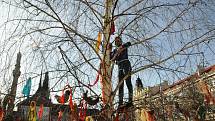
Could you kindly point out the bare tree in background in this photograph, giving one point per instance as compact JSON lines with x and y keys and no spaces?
{"x":169,"y":38}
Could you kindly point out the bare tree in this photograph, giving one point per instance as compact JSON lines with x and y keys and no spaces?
{"x":169,"y":38}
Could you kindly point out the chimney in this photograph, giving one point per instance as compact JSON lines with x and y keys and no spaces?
{"x":139,"y":83}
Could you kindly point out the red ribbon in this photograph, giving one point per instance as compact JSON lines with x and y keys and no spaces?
{"x":117,"y":117}
{"x":95,"y":82}
{"x":112,"y":29}
{"x":70,"y":100}
{"x":62,"y":97}
{"x":1,"y":113}
{"x":40,"y":112}
{"x":83,"y":111}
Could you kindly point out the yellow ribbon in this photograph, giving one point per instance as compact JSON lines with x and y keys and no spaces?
{"x":98,"y":43}
{"x":32,"y":111}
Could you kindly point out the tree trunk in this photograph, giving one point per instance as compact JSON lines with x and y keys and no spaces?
{"x":106,"y":68}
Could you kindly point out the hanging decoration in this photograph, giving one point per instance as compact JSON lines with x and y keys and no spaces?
{"x":90,"y":100}
{"x":70,"y":98}
{"x":60,"y":115}
{"x":147,"y":115}
{"x":40,"y":112}
{"x":112,"y":29}
{"x":32,"y":111}
{"x":83,"y":111}
{"x":27,"y":88}
{"x":144,"y":115}
{"x":89,"y":118}
{"x":64,"y":97}
{"x":117,"y":117}
{"x":150,"y":116}
{"x":74,"y":113}
{"x":98,"y":43}
{"x":70,"y":102}
{"x":1,"y":113}
{"x":96,"y":81}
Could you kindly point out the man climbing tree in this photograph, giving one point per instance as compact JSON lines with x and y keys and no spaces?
{"x":120,"y":56}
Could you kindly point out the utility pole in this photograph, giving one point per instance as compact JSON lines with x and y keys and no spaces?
{"x":106,"y":64}
{"x":10,"y":98}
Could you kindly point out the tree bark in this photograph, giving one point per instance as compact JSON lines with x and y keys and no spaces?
{"x":106,"y":68}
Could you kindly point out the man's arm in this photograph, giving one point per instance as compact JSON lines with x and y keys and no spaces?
{"x":127,"y":44}
{"x":116,"y":52}
{"x":113,"y":54}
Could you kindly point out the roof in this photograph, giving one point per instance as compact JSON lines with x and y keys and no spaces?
{"x":195,"y":75}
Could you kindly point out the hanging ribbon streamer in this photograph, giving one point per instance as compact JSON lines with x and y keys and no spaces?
{"x":74,"y":113}
{"x":83,"y":111}
{"x":89,"y":118}
{"x":150,"y":116}
{"x":112,"y":29}
{"x":96,"y":81}
{"x":143,"y":115}
{"x":40,"y":112}
{"x":117,"y":117}
{"x":27,"y":88}
{"x":60,"y":115}
{"x":146,"y":115}
{"x":98,"y":43}
{"x":32,"y":111}
{"x":1,"y":113}
{"x":70,"y":100}
{"x":73,"y":107}
{"x":62,"y":97}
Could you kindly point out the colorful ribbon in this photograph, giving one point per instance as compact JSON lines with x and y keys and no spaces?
{"x":62,"y":97}
{"x":27,"y":88}
{"x":40,"y":112}
{"x":98,"y":43}
{"x":96,"y":81}
{"x":70,"y":100}
{"x":60,"y":115}
{"x":83,"y":111}
{"x":112,"y":29}
{"x":1,"y":113}
{"x":32,"y":111}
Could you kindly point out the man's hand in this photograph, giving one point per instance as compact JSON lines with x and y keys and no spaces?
{"x":119,"y":50}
